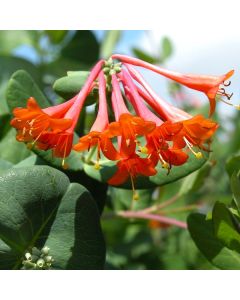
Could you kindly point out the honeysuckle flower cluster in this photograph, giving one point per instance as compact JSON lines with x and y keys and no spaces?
{"x":134,"y":126}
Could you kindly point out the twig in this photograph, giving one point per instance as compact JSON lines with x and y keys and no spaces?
{"x":142,"y":215}
{"x":161,"y":205}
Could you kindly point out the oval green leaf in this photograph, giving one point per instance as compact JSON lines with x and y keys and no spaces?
{"x":39,"y":206}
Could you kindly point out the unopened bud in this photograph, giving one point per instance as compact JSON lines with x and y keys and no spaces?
{"x":48,"y":259}
{"x":117,"y":69}
{"x":40,"y":263}
{"x":106,"y":70}
{"x":109,"y":62}
{"x":36,"y":251}
{"x":28,"y":265}
{"x":45,"y":250}
{"x":112,"y":72}
{"x":28,"y":256}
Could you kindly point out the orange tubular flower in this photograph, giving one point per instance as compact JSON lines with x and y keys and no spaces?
{"x":61,"y":142}
{"x":132,"y":167}
{"x":98,"y":135}
{"x":195,"y":131}
{"x":32,"y":121}
{"x":127,"y":126}
{"x":210,"y":85}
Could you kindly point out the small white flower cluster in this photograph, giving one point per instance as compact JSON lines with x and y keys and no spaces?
{"x":37,"y":259}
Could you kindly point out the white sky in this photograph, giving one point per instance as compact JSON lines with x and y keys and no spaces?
{"x":206,"y":38}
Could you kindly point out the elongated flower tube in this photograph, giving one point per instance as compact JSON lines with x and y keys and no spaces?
{"x":61,"y":142}
{"x":210,"y":85}
{"x":127,"y":126}
{"x":98,"y":135}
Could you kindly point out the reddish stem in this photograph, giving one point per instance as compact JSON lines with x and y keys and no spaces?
{"x":162,"y":219}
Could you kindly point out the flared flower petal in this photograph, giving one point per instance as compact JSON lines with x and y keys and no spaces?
{"x":128,"y":128}
{"x":196,"y":131}
{"x":32,"y":121}
{"x":101,"y":141}
{"x":132,"y":167}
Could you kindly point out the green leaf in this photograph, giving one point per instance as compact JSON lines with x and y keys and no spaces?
{"x":68,"y":86}
{"x":109,"y":42}
{"x":108,"y":168}
{"x":233,"y":164}
{"x":5,"y":165}
{"x":11,"y":150}
{"x":61,"y":65}
{"x":39,"y":206}
{"x":77,"y":241}
{"x":73,"y":161}
{"x":56,"y":36}
{"x":4,"y":124}
{"x":121,"y":199}
{"x":10,"y":64}
{"x":144,"y":56}
{"x":195,"y":181}
{"x":10,"y":39}
{"x":83,"y":47}
{"x":235,"y":187}
{"x":202,"y":233}
{"x":224,"y":227}
{"x":167,"y":48}
{"x":21,"y":86}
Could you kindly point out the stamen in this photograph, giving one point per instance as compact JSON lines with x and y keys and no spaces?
{"x":198,"y":154}
{"x":97,"y":166}
{"x":222,"y":92}
{"x":65,"y":166}
{"x":32,"y":144}
{"x":165,"y":165}
{"x":237,"y":106}
{"x":143,"y":149}
{"x":225,"y":83}
{"x":135,"y":196}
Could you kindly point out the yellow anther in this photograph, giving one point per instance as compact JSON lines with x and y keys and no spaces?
{"x":237,"y":106}
{"x":65,"y":166}
{"x":135,"y":196}
{"x":97,"y":166}
{"x":143,"y":149}
{"x":30,"y":146}
{"x":165,"y":165}
{"x":198,"y":155}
